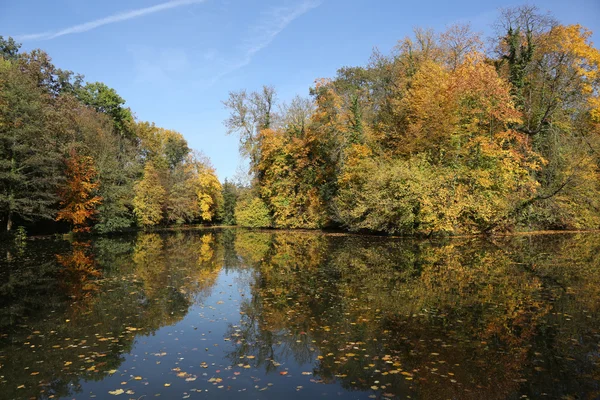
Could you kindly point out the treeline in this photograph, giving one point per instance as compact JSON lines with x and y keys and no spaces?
{"x":443,"y":135}
{"x":71,"y":152}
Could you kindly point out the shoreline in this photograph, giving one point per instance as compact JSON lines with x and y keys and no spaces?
{"x":323,"y":232}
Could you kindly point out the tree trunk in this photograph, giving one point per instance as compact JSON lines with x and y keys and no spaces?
{"x":9,"y":222}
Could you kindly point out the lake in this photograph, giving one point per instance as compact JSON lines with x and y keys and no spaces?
{"x":231,"y":313}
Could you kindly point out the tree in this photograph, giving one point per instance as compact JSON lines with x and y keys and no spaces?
{"x":230,"y":198}
{"x":9,"y":49}
{"x":194,"y":191}
{"x":46,"y":112}
{"x":106,"y":100}
{"x":249,"y":114}
{"x":149,"y":197}
{"x":30,"y":157}
{"x":78,"y":200}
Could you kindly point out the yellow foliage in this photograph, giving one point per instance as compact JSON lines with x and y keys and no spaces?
{"x":149,"y":197}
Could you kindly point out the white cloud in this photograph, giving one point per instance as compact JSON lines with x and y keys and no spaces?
{"x":123,"y":16}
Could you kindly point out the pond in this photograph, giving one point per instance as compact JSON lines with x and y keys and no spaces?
{"x":230,"y":313}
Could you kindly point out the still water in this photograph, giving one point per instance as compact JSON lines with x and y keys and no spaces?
{"x":225,"y":314}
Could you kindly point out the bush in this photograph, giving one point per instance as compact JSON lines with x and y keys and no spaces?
{"x":252,"y":214}
{"x":415,"y":197}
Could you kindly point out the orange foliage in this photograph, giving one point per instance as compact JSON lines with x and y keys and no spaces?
{"x":79,"y":271}
{"x":78,"y":205}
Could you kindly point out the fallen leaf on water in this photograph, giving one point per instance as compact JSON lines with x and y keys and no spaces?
{"x":116,"y":392}
{"x":283,"y":373}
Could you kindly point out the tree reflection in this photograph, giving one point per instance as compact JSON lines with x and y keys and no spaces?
{"x":79,"y":272}
{"x":80,"y":309}
{"x":464,"y":318}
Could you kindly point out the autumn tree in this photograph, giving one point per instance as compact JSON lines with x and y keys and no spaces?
{"x":133,"y":166}
{"x":195,"y":192}
{"x":554,"y":73}
{"x":149,"y":197}
{"x":249,"y":114}
{"x":79,"y":201}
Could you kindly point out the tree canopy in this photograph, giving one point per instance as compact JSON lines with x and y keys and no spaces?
{"x":442,"y":136}
{"x":74,"y":153}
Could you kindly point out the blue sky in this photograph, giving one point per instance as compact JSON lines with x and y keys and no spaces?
{"x":175,"y":61}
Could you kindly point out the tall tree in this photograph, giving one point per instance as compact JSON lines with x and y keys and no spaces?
{"x":149,"y":197}
{"x":230,"y":197}
{"x":30,"y":157}
{"x":249,"y":114}
{"x":79,"y":201}
{"x":106,"y":100}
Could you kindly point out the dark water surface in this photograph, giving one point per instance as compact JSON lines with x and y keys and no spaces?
{"x":294,"y":315}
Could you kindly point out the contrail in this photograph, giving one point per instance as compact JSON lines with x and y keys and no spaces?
{"x":123,"y":16}
{"x":278,"y":20}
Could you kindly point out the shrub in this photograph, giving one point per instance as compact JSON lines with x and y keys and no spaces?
{"x":252,"y":213}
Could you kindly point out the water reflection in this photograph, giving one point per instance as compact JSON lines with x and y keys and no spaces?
{"x":301,"y":314}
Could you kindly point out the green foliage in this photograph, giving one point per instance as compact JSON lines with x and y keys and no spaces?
{"x":118,"y":170}
{"x":176,"y":150}
{"x":395,"y":198}
{"x":252,"y":213}
{"x":230,"y":198}
{"x":106,"y":100}
{"x":142,"y":174}
{"x":194,"y":192}
{"x":30,"y":158}
{"x":20,"y":236}
{"x":9,"y":49}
